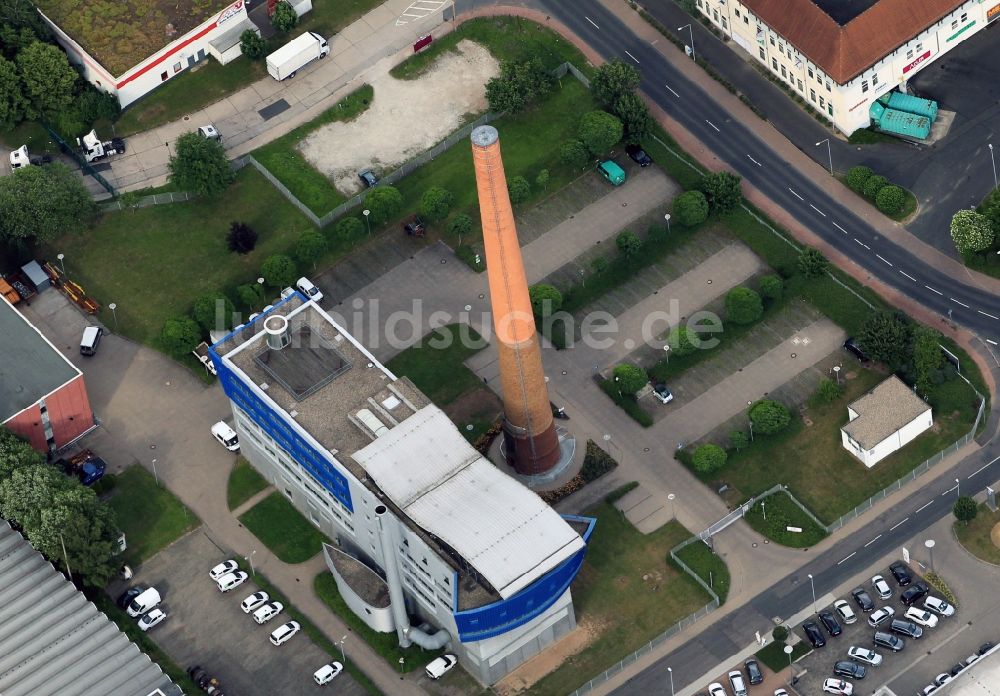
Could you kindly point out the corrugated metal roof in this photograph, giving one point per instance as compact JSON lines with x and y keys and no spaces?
{"x":53,"y":641}
{"x":504,"y":530}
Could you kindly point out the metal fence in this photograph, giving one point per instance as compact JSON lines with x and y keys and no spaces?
{"x":69,"y":150}
{"x":147,"y":201}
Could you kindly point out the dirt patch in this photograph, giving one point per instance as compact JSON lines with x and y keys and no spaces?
{"x":406,"y":117}
{"x":995,"y":535}
{"x":525,"y":676}
{"x":476,"y":405}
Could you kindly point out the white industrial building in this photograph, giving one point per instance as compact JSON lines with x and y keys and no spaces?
{"x":432,"y":541}
{"x":884,"y":420}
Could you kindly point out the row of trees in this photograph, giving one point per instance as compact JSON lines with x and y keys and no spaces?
{"x":283,"y":20}
{"x":767,"y":417}
{"x":886,"y":196}
{"x":905,"y":347}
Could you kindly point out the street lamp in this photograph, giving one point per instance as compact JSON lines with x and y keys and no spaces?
{"x":667,"y":218}
{"x":691,"y":32}
{"x":63,"y":256}
{"x":812,"y":583}
{"x":250,"y":560}
{"x":113,"y":307}
{"x":343,"y":656}
{"x":155,"y":477}
{"x":366,"y":213}
{"x":958,"y":491}
{"x":930,"y":550}
{"x":671,"y":497}
{"x":670,"y":671}
{"x":788,"y":651}
{"x":829,"y":153}
{"x":995,"y":185}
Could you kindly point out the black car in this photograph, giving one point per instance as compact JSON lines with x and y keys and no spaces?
{"x":830,"y":623}
{"x":901,"y":572}
{"x":956,"y":669}
{"x":638,"y":155}
{"x":889,"y":641}
{"x":863,"y":600}
{"x":849,"y":668}
{"x":754,"y":673}
{"x":126,"y":597}
{"x":851,"y":346}
{"x":813,"y":634}
{"x":913,"y":594}
{"x":984,"y":648}
{"x":906,"y":628}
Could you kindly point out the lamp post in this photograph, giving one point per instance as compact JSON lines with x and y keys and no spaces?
{"x":788,"y":651}
{"x":958,"y":491}
{"x":930,"y":550}
{"x":155,"y":477}
{"x":812,"y":584}
{"x":366,"y":213}
{"x":670,"y":671}
{"x":667,"y":218}
{"x":250,"y":561}
{"x":994,"y":162}
{"x":671,"y":497}
{"x":829,"y":153}
{"x":343,"y":656}
{"x":401,"y":661}
{"x":836,"y":373}
{"x":691,"y":33}
{"x":62,"y":264}
{"x":113,"y":307}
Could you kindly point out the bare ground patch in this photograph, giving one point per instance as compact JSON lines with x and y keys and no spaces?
{"x":525,"y":676}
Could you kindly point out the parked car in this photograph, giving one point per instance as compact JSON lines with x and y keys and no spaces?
{"x":880,"y":616}
{"x":913,"y":594}
{"x":307,"y":288}
{"x":126,"y":597}
{"x":830,"y":623}
{"x":210,"y":132}
{"x":888,"y":641}
{"x":151,"y":618}
{"x":267,"y":612}
{"x":849,"y":668}
{"x":901,"y":572}
{"x":838,"y":686}
{"x":254,"y":601}
{"x":985,"y":648}
{"x":972,"y":658}
{"x":90,"y":340}
{"x":921,"y":617}
{"x":326,"y":673}
{"x":612,"y":172}
{"x":284,"y":632}
{"x":813,"y":634}
{"x":440,"y":666}
{"x":882,"y":588}
{"x":231,"y":581}
{"x":929,"y":689}
{"x":737,"y":684}
{"x":780,"y":692}
{"x":938,"y":606}
{"x":716,"y":689}
{"x":145,"y":601}
{"x":226,"y":436}
{"x":866,"y":655}
{"x":224,"y":568}
{"x":638,"y":155}
{"x":845,"y":611}
{"x":661,"y":392}
{"x":942,"y":679}
{"x":851,"y":346}
{"x":754,"y":673}
{"x":368,"y":178}
{"x":863,"y":600}
{"x":906,"y":628}
{"x":955,"y":669}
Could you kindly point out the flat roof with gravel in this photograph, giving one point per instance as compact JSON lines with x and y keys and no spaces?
{"x":883,"y":411}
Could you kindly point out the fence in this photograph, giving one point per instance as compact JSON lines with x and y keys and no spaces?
{"x":146,"y":201}
{"x":68,"y":149}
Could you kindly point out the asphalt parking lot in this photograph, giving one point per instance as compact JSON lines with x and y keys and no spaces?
{"x":205,"y":627}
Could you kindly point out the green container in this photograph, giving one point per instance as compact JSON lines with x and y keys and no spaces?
{"x":903,"y":123}
{"x":914,"y":105}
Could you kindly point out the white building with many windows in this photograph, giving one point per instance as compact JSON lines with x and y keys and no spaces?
{"x":841,"y":56}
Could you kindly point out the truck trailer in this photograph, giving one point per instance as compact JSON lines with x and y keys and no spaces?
{"x":295,"y":54}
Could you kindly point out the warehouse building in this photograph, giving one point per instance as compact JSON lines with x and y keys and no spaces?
{"x":42,"y":394}
{"x":432,"y":541}
{"x":840,"y":57}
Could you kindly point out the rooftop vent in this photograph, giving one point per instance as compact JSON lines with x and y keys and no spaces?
{"x":371,"y":421}
{"x":391,"y":403}
{"x":276,"y":327}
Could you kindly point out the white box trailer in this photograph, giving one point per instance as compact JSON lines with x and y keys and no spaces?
{"x":288,"y":59}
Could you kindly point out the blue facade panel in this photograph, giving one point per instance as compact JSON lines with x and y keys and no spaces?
{"x":507,"y":614}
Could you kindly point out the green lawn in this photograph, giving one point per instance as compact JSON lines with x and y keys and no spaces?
{"x":773,"y":654}
{"x":708,"y":566}
{"x":775,"y":513}
{"x":282,"y":158}
{"x":29,"y":133}
{"x":436,"y":366}
{"x":385,"y":644}
{"x":613,"y":599}
{"x":975,"y":536}
{"x":283,"y":529}
{"x":151,"y":517}
{"x":154,"y":262}
{"x":244,"y":483}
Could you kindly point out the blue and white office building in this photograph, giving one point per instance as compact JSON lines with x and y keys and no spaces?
{"x":432,"y":541}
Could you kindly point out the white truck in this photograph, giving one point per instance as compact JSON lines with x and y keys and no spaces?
{"x":21,"y":158}
{"x":94,"y":149}
{"x":288,"y":59}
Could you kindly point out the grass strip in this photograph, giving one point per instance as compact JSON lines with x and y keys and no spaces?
{"x":244,"y":483}
{"x":708,"y":566}
{"x":283,"y":529}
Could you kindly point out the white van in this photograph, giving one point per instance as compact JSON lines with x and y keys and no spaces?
{"x":144,"y":602}
{"x":91,"y":337}
{"x":307,"y":288}
{"x":226,"y":436}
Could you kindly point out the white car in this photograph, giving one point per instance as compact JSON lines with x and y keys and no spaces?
{"x":930,"y":689}
{"x":284,"y":633}
{"x":882,"y":588}
{"x":880,"y":616}
{"x":939,"y":606}
{"x":780,"y":692}
{"x":254,"y":601}
{"x":866,"y":655}
{"x":209,"y":132}
{"x":662,"y":393}
{"x":224,"y":568}
{"x":838,"y":686}
{"x":942,"y":679}
{"x":440,"y":666}
{"x":919,"y":616}
{"x":268,"y":612}
{"x":307,"y":288}
{"x":151,"y":619}
{"x":326,"y":673}
{"x":226,"y":436}
{"x":717,"y":689}
{"x":845,"y":611}
{"x":231,"y":581}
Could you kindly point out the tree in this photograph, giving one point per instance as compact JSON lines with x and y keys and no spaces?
{"x":91,"y":104}
{"x":927,"y":356}
{"x":771,"y":287}
{"x":683,"y":340}
{"x":708,"y":459}
{"x":519,"y":189}
{"x":812,"y":263}
{"x":769,"y":417}
{"x":722,"y":189}
{"x":545,"y":300}
{"x":600,"y":131}
{"x":857,"y":176}
{"x":42,"y":203}
{"x":284,"y":18}
{"x":738,"y":440}
{"x":349,"y":228}
{"x":874,"y":184}
{"x":517,"y":85}
{"x":199,"y":165}
{"x":460,"y":226}
{"x":827,"y":392}
{"x":15,"y":452}
{"x":599,"y":265}
{"x":13,"y":105}
{"x":542,"y":180}
{"x":251,"y":45}
{"x":574,"y":154}
{"x":241,"y":238}
{"x":629,"y":378}
{"x":310,"y":247}
{"x":179,"y":336}
{"x":990,"y":207}
{"x":965,"y":509}
{"x":890,"y":199}
{"x":743,"y":306}
{"x":77,"y":521}
{"x":885,"y":337}
{"x":251,"y":295}
{"x":436,"y":202}
{"x":129,"y":200}
{"x":628,"y":244}
{"x":635,"y":117}
{"x":47,"y":78}
{"x":214,"y":312}
{"x":278,"y":271}
{"x":690,"y":208}
{"x":384,"y":202}
{"x":971,"y":232}
{"x":613,"y":80}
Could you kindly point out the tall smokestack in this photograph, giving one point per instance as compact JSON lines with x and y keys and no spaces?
{"x":532,"y":445}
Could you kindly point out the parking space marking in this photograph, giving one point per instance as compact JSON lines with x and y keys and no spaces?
{"x":845,"y":558}
{"x":873,"y":541}
{"x":898,"y":523}
{"x":981,"y":468}
{"x":923,"y":506}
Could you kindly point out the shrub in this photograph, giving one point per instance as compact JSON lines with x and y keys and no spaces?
{"x":738,"y":440}
{"x":241,"y":238}
{"x":179,"y":336}
{"x":460,"y":226}
{"x":252,"y":46}
{"x":384,"y":202}
{"x":278,"y":271}
{"x":599,"y":265}
{"x":628,"y":243}
{"x":827,"y":392}
{"x":971,"y":232}
{"x":857,"y":177}
{"x":708,"y":459}
{"x":682,"y":341}
{"x":600,"y":131}
{"x":722,"y":190}
{"x":596,"y":462}
{"x":519,"y":189}
{"x":214,"y":312}
{"x":771,"y":287}
{"x":545,"y":299}
{"x":200,"y":165}
{"x":284,"y":18}
{"x":965,"y":509}
{"x":310,"y":247}
{"x":517,"y":86}
{"x":690,"y":208}
{"x":874,"y":184}
{"x":436,"y":202}
{"x":769,"y":417}
{"x":890,"y":199}
{"x":542,"y":180}
{"x":251,"y":295}
{"x":743,"y":306}
{"x":812,"y":263}
{"x":612,"y":80}
{"x":780,"y":634}
{"x":938,"y":583}
{"x":349,"y":228}
{"x":629,"y":378}
{"x":573,"y":153}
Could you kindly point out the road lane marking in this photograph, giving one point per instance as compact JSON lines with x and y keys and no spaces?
{"x":980,"y":469}
{"x":923,"y":506}
{"x":992,"y":342}
{"x":873,"y":541}
{"x":817,"y":210}
{"x":594,"y":23}
{"x":987,"y":315}
{"x":958,"y":302}
{"x":883,"y":260}
{"x":713,"y":126}
{"x":840,"y":228}
{"x":898,"y":523}
{"x":909,"y":276}
{"x":862,"y":244}
{"x":632,"y":57}
{"x":949,"y":490}
{"x":796,"y":195}
{"x":845,"y":558}
{"x":754,"y":161}
{"x":672,"y":91}
{"x":933,"y":290}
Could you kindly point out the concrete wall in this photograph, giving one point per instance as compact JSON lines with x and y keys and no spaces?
{"x":67,"y":417}
{"x":376,"y":618}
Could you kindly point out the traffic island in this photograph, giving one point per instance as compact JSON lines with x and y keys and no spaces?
{"x":981,"y":536}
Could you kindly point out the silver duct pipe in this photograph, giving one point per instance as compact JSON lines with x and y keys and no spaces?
{"x":430,"y":641}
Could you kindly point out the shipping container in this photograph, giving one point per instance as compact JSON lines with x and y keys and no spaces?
{"x":903,"y":123}
{"x":913,"y":105}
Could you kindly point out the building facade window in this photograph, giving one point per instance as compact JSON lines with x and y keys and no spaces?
{"x":829,"y":109}
{"x":822,"y":103}
{"x":812,"y":94}
{"x":909,"y":54}
{"x":762,"y":56}
{"x":772,"y":41}
{"x":800,"y":85}
{"x":810,"y":73}
{"x":874,"y":79}
{"x":828,"y":86}
{"x":864,"y":85}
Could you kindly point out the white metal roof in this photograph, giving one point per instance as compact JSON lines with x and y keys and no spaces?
{"x":504,"y":530}
{"x":53,"y":641}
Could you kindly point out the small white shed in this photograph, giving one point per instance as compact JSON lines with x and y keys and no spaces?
{"x":883,"y":420}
